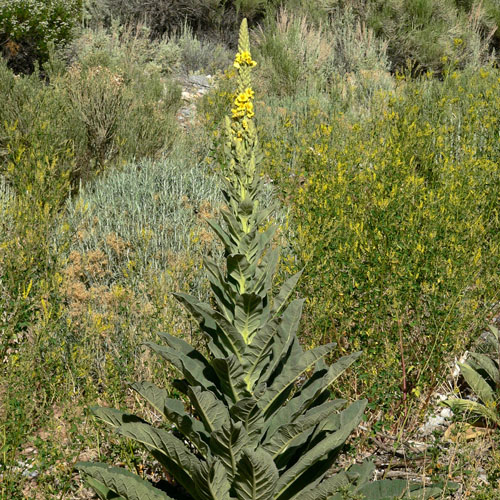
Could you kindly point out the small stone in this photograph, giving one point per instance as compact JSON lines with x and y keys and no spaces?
{"x":446,"y":413}
{"x":200,"y":80}
{"x":432,"y":424}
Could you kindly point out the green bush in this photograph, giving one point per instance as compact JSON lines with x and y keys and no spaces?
{"x":29,"y":27}
{"x":296,"y":54}
{"x":35,"y":186}
{"x":107,"y":107}
{"x":166,"y":16}
{"x":431,"y":33}
{"x":396,"y":217}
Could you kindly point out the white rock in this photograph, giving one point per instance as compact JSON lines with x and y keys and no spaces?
{"x":432,"y":424}
{"x":446,"y":413}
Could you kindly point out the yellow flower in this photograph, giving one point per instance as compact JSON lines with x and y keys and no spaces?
{"x":243,"y":105}
{"x":244,"y":59}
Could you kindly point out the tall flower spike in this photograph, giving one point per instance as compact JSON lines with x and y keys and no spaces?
{"x":260,"y":424}
{"x":242,"y":145}
{"x":243,"y":61}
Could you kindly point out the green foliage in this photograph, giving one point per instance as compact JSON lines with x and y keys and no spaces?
{"x":482,"y":374}
{"x":34,"y":188}
{"x":29,"y":27}
{"x":431,"y":33}
{"x":397,"y":219}
{"x":199,"y":55}
{"x":297,"y":54}
{"x":166,"y":16}
{"x":105,"y":111}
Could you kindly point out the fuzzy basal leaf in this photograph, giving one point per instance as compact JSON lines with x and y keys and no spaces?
{"x":114,"y":417}
{"x":478,"y":384}
{"x":211,"y":410}
{"x":294,"y":368}
{"x":174,"y":411}
{"x":213,"y":481}
{"x":227,"y":444}
{"x":256,"y":476}
{"x":122,"y":482}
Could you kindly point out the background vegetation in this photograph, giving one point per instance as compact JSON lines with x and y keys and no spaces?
{"x":378,"y":123}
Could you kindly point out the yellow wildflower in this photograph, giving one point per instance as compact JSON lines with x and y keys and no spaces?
{"x":244,"y":59}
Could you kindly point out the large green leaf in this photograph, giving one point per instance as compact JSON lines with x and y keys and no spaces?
{"x":477,"y":383}
{"x":361,"y":473}
{"x":256,"y":476}
{"x":114,"y":417}
{"x":213,"y":482}
{"x":293,"y":480}
{"x":239,"y":271}
{"x":223,"y":297}
{"x":287,"y":433}
{"x":221,"y":233}
{"x":233,"y":228}
{"x":286,"y":290}
{"x":211,"y":410}
{"x":396,"y":488}
{"x":311,"y":393}
{"x":249,"y":314}
{"x":264,"y":278}
{"x":173,"y":410}
{"x":196,"y":370}
{"x":231,"y":375}
{"x":121,"y":481}
{"x":257,"y":354}
{"x":103,"y":492}
{"x":296,"y":367}
{"x":248,"y":412}
{"x":214,"y":324}
{"x":487,"y":364}
{"x":285,"y":336}
{"x":170,"y":452}
{"x":328,"y":489}
{"x":466,"y":406}
{"x":227,"y":444}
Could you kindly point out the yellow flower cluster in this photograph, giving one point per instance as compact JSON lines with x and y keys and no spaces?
{"x":244,"y":59}
{"x":392,"y":212}
{"x":243,"y":106}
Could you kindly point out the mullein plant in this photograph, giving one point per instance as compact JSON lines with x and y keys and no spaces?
{"x":482,"y":374}
{"x":260,"y":423}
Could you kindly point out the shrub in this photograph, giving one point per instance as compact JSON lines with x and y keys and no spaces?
{"x":166,"y":16}
{"x":106,"y":111}
{"x":396,"y":221}
{"x":430,"y":33}
{"x":34,"y":189}
{"x":29,"y":27}
{"x":200,"y":55}
{"x":296,"y":54}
